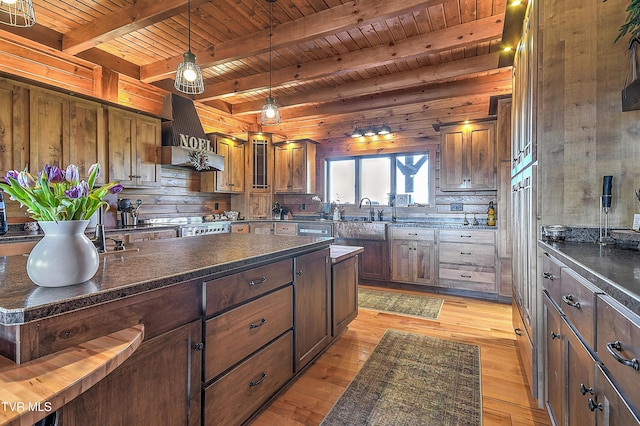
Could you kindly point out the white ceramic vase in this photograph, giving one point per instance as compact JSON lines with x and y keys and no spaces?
{"x":64,"y":256}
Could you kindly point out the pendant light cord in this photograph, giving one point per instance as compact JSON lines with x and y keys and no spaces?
{"x":189,"y":24}
{"x":270,"y":46}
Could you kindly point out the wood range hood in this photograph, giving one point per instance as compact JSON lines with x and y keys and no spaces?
{"x":184,"y":142}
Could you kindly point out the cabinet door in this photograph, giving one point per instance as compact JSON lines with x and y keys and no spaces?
{"x":373,"y":262}
{"x":480,"y":158}
{"x":555,"y":377}
{"x":87,"y":137}
{"x":49,"y":132}
{"x":298,"y":168}
{"x":148,"y":143}
{"x":158,"y":385}
{"x":580,"y":367}
{"x":344,"y":293}
{"x":312,"y":313}
{"x":424,"y":262}
{"x":259,"y":205}
{"x":122,"y":134}
{"x":452,"y":173}
{"x":232,"y":178}
{"x":14,"y":122}
{"x":282,"y":175}
{"x":609,"y":406}
{"x":401,"y":260}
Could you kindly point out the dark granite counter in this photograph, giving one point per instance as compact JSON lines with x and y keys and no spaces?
{"x":157,"y":264}
{"x":613,"y":270}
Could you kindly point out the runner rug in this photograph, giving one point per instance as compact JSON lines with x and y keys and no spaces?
{"x":399,"y":303}
{"x":410,"y":379}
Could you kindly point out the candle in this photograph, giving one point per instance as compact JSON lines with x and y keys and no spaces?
{"x":606,"y":191}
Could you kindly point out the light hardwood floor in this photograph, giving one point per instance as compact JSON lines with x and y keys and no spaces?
{"x":505,"y":396}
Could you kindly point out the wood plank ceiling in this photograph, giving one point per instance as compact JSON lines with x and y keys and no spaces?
{"x":336,"y":63}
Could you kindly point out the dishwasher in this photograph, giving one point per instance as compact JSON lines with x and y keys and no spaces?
{"x":315,"y":229}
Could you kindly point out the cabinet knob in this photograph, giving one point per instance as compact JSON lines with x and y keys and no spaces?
{"x":260,"y":380}
{"x":198,"y":346}
{"x":518,"y":331}
{"x":585,"y":390}
{"x":547,"y":276}
{"x":554,"y":335}
{"x":593,"y":405}
{"x":299,"y":273}
{"x":260,"y":280}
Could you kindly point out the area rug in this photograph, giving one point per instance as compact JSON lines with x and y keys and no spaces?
{"x":410,"y":379}
{"x":399,"y":303}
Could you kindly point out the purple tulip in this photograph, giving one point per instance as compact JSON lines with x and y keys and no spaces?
{"x":72,"y":174}
{"x":83,"y":187}
{"x":73,"y":192}
{"x":11,"y":174}
{"x":53,"y":173}
{"x":25,"y":180}
{"x":93,"y":167}
{"x":116,"y":188}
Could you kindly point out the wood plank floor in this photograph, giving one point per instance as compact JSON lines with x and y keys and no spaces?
{"x":505,"y":395}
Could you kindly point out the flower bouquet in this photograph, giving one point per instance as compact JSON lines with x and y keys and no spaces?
{"x":57,"y":194}
{"x":62,"y":204}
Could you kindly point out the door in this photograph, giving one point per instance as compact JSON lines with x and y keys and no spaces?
{"x":453,"y":167}
{"x":49,"y":130}
{"x":424,"y":262}
{"x":87,"y":137}
{"x":401,"y":260}
{"x":122,"y":134}
{"x":480,"y":158}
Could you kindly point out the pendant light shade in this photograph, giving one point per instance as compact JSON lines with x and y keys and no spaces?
{"x":270,"y":113}
{"x":189,"y":75}
{"x":17,"y":13}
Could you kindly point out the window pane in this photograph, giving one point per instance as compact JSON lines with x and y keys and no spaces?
{"x":342,"y":181}
{"x":412,"y":177}
{"x":375,"y":182}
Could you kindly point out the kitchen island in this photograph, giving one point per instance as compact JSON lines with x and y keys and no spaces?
{"x":184,"y":291}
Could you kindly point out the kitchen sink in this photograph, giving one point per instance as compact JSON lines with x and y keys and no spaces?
{"x":360,"y":230}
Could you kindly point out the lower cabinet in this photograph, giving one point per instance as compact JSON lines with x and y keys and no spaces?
{"x":413,"y":255}
{"x":168,"y":367}
{"x":234,"y":397}
{"x":373,"y":264}
{"x":312,"y":311}
{"x":344,"y":294}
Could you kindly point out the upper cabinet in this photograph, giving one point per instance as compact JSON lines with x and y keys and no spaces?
{"x":231,"y":180}
{"x":14,"y":126}
{"x":295,"y":167}
{"x":65,"y":130}
{"x":468,"y":157}
{"x":134,"y":149}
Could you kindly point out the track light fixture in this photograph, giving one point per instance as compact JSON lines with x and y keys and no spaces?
{"x":371,"y":131}
{"x":189,"y":75}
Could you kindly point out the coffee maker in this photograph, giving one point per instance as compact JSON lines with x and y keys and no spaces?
{"x":129,"y":213}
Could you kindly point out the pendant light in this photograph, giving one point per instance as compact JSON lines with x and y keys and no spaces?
{"x":270,"y":114}
{"x":17,"y":13}
{"x":189,"y":74}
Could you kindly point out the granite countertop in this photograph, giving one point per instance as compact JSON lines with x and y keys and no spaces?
{"x":613,"y":270}
{"x":14,"y":236}
{"x":157,"y":264}
{"x":340,"y":253}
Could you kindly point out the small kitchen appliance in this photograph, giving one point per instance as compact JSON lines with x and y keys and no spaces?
{"x":403,"y":200}
{"x":129,"y":213}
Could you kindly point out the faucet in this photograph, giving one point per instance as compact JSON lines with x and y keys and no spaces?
{"x":371,"y":212}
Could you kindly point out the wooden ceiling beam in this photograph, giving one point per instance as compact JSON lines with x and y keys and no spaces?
{"x":455,"y":37}
{"x":398,"y":81}
{"x":356,"y":13}
{"x":136,"y":15}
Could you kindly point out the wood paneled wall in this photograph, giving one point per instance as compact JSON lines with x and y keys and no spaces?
{"x":583,"y":134}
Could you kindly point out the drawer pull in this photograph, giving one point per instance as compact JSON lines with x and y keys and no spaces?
{"x":554,"y":336}
{"x":465,"y":276}
{"x":547,"y":276}
{"x":260,"y":324}
{"x":261,"y":379}
{"x":584,"y":390}
{"x":414,"y":234}
{"x":617,"y":346}
{"x":593,"y":405}
{"x":518,"y":331}
{"x":260,"y":280}
{"x":465,"y":236}
{"x":465,"y":253}
{"x":568,"y":299}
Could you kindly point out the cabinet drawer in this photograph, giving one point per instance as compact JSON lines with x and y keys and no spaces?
{"x":241,"y":331}
{"x":578,"y":302}
{"x":551,"y":278}
{"x":469,"y":277}
{"x":240,"y":229}
{"x":468,"y":236}
{"x":468,"y":254}
{"x":617,"y":324}
{"x":235,"y":396}
{"x":285,"y":228}
{"x":225,"y":292}
{"x":412,"y":234}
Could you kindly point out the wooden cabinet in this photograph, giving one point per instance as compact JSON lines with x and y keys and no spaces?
{"x":295,"y":168}
{"x":136,"y":237}
{"x":468,"y":157}
{"x":373,"y":264}
{"x":134,"y":149}
{"x":285,"y":228}
{"x":609,"y":405}
{"x":259,"y":177}
{"x":14,"y":122}
{"x":262,"y":228}
{"x":554,"y":361}
{"x":344,"y":294}
{"x":239,"y":228}
{"x":312,"y":312}
{"x":413,"y":255}
{"x":12,"y":249}
{"x":231,"y":180}
{"x":66,"y":130}
{"x":468,"y":260}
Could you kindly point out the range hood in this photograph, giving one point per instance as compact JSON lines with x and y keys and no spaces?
{"x":184,"y":142}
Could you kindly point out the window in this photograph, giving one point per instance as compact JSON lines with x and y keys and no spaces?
{"x":379,"y":177}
